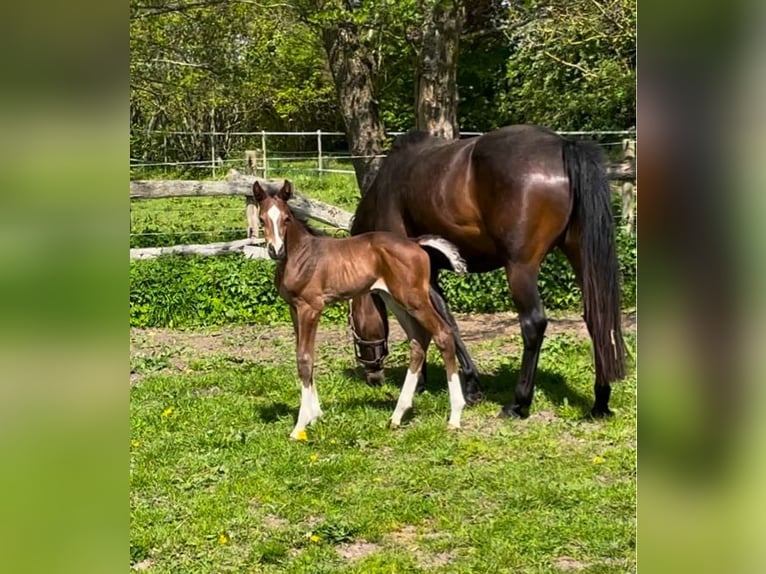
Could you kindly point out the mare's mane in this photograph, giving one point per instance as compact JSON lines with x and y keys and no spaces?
{"x":411,"y":138}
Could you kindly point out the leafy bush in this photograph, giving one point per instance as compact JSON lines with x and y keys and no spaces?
{"x":182,"y":291}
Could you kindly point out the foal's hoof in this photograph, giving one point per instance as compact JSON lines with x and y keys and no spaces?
{"x":375,"y":378}
{"x":601,"y":413}
{"x":514,"y":411}
{"x":452,"y":427}
{"x":392,"y":424}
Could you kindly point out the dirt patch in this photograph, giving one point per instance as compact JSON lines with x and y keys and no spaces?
{"x":569,"y":564}
{"x":276,"y":344}
{"x":427,"y":561}
{"x":356,"y":550}
{"x":143,"y":565}
{"x":406,"y":536}
{"x":274,"y":522}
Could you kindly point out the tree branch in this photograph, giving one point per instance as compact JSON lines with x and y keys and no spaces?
{"x":570,"y":64}
{"x":150,"y":11}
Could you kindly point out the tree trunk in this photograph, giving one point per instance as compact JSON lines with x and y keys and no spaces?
{"x":353,"y":78}
{"x":436,"y":81}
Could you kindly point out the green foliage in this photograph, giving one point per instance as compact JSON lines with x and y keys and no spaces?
{"x":573,"y":64}
{"x":180,"y":291}
{"x":244,"y":66}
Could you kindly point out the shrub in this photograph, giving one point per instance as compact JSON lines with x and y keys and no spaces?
{"x":183,"y":291}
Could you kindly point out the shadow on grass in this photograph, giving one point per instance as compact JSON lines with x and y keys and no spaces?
{"x":497,"y":385}
{"x":272,"y":412}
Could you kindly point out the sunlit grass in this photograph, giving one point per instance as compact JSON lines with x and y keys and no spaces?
{"x":217,"y":486}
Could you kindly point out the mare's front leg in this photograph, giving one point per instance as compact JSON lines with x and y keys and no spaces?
{"x":306,"y":320}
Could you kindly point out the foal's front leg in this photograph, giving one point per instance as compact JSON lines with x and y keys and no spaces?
{"x":306,"y":322}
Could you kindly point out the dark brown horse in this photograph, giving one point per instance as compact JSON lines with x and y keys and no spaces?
{"x":313,"y":271}
{"x":505,"y":199}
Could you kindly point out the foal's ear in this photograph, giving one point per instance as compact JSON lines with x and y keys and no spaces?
{"x":286,"y":192}
{"x":258,"y":193}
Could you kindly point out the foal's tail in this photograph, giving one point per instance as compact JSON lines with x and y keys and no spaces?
{"x":445,"y":248}
{"x":600,"y":270}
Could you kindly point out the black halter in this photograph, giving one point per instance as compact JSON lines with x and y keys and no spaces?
{"x":379,"y":347}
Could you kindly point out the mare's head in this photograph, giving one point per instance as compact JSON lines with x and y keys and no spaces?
{"x":275,"y":215}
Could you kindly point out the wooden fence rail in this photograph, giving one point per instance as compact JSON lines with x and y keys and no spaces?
{"x":242,"y":185}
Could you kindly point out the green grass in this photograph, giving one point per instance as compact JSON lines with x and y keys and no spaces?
{"x":217,"y":486}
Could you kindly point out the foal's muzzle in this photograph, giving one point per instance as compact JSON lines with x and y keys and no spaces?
{"x":274,"y":254}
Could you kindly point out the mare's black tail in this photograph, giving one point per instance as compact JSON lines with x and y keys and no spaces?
{"x":600,"y":269}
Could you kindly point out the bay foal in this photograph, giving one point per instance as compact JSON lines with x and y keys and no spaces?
{"x":313,"y":271}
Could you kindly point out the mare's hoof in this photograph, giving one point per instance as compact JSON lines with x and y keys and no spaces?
{"x":375,"y":378}
{"x":514,"y":411}
{"x":601,"y":413}
{"x":393,"y":425}
{"x":452,"y":427}
{"x":473,"y":398}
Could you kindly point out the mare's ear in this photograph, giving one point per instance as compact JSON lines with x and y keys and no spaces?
{"x":286,"y":192}
{"x":258,"y":193}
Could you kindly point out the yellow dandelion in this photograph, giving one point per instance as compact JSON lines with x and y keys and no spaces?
{"x":134,"y":443}
{"x":315,"y":538}
{"x":598,"y":460}
{"x":314,"y":457}
{"x":302,"y":435}
{"x":222,"y":539}
{"x":167,"y":412}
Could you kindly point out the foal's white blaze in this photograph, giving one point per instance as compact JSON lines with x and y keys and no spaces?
{"x":273,"y":214}
{"x":405,"y":397}
{"x":456,"y":401}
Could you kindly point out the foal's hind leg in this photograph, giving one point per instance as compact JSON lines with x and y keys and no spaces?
{"x":522,"y":280}
{"x":472,"y":392}
{"x":445,"y":341}
{"x":419,"y":339}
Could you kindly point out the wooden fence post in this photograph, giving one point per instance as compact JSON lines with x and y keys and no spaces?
{"x":319,"y":149}
{"x":263,"y":153}
{"x":628,"y":187}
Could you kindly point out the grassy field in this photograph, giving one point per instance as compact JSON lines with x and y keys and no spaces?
{"x":217,"y":486}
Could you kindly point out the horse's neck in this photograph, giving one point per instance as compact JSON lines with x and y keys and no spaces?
{"x":297,"y":241}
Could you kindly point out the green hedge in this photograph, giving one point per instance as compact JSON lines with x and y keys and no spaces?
{"x":181,"y":291}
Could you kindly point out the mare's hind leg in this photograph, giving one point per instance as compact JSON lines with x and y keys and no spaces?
{"x":522,"y":280}
{"x":601,"y":389}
